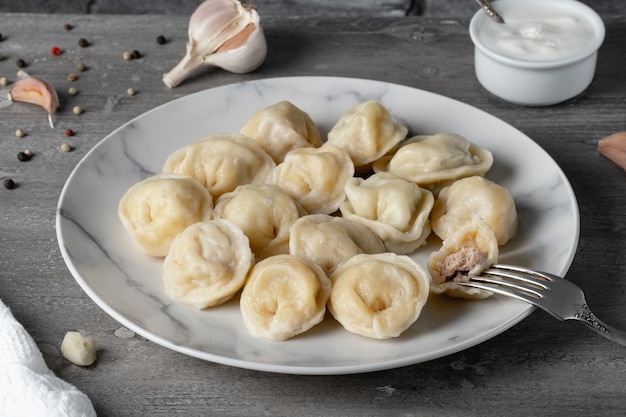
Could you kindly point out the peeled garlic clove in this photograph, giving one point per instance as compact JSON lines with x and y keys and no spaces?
{"x":614,"y":148}
{"x":36,"y":91}
{"x":79,"y":349}
{"x":222,"y":33}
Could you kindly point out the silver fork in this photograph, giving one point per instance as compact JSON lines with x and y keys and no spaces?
{"x":557,"y":296}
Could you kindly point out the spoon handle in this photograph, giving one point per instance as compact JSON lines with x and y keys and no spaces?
{"x":491,"y":12}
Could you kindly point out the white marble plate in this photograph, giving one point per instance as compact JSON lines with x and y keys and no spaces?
{"x":127,"y":285}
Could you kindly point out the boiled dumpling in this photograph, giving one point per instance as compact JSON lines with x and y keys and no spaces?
{"x":468,"y":251}
{"x":222,"y":162}
{"x":281,"y":128}
{"x":475,"y":196}
{"x":264,"y":212}
{"x":285,"y":295}
{"x":366,"y":132}
{"x":154,"y":211}
{"x":443,"y":157}
{"x":395,"y":209}
{"x":328,"y":241}
{"x":378,"y":296}
{"x":315,"y":177}
{"x":207,"y":264}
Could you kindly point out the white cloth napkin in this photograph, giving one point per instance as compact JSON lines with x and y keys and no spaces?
{"x":27,"y":386}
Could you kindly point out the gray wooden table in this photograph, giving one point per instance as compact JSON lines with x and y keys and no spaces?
{"x":539,"y":367}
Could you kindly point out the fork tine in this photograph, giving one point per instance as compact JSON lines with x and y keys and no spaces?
{"x":506,"y":290}
{"x":540,"y":277}
{"x":510,"y":278}
{"x":512,"y":281}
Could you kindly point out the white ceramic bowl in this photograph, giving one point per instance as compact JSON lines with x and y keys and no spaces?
{"x":521,"y":76}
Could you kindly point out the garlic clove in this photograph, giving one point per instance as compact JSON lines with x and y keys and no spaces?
{"x":36,"y":91}
{"x":245,"y":58}
{"x":78,"y":349}
{"x":222,"y":33}
{"x":613,"y":147}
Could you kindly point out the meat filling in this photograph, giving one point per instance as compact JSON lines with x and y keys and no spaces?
{"x":456,"y":266}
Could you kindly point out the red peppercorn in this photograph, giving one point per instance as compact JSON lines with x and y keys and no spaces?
{"x":69,"y":132}
{"x":55,"y":51}
{"x":68,"y":26}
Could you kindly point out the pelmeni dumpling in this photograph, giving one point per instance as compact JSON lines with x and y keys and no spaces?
{"x":154,"y":211}
{"x":395,"y":209}
{"x":264,"y":212}
{"x":207,"y":264}
{"x":475,"y":196}
{"x":281,"y":128}
{"x":329,"y":241}
{"x":468,"y":251}
{"x":366,"y":132}
{"x":439,"y":158}
{"x":222,"y":162}
{"x":378,"y":296}
{"x":315,"y":177}
{"x":285,"y":295}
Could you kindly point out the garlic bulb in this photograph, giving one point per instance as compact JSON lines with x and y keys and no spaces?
{"x":222,"y":33}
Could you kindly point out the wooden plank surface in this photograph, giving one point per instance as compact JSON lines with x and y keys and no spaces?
{"x":539,"y":367}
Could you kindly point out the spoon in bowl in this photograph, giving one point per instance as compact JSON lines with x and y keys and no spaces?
{"x":491,"y":12}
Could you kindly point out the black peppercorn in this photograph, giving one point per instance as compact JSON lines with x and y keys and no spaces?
{"x":83,"y":43}
{"x":9,"y":184}
{"x":23,"y":156}
{"x":136,"y":54}
{"x":161,"y":40}
{"x":20,"y":63}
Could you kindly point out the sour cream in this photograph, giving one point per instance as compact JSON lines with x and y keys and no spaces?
{"x":543,"y":34}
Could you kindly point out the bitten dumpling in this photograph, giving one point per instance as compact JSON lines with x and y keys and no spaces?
{"x":366,"y":132}
{"x":264,"y":212}
{"x":468,"y":251}
{"x":329,"y":241}
{"x":207,"y":264}
{"x":315,"y":177}
{"x":378,"y":296}
{"x":439,"y":158}
{"x":222,"y":162}
{"x":395,"y":209}
{"x":154,"y":211}
{"x":280,"y":128}
{"x":475,"y":196}
{"x":284,"y":296}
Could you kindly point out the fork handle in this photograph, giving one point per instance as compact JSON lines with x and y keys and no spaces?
{"x":585,"y":315}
